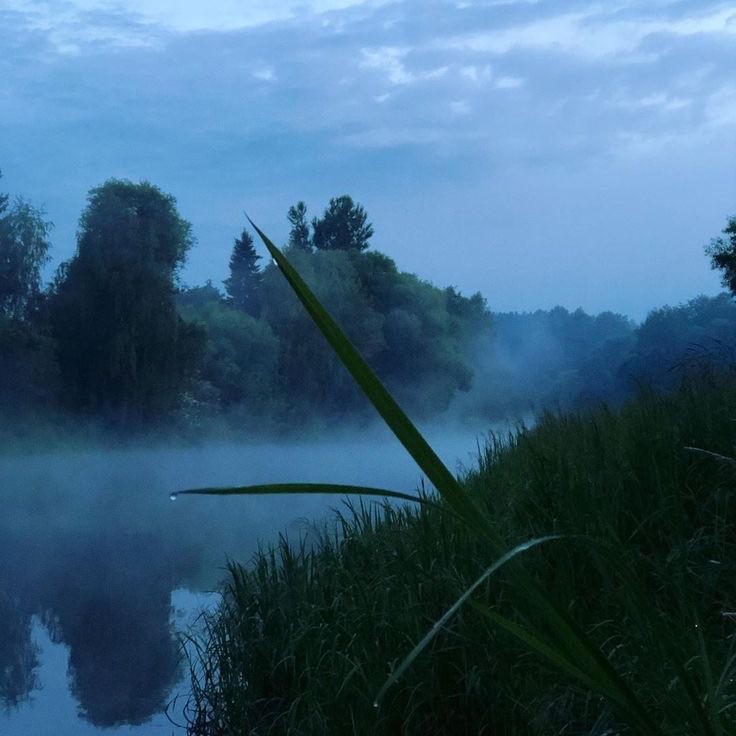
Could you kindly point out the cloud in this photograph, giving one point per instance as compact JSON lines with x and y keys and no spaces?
{"x":182,"y":16}
{"x":271,"y":102}
{"x":594,"y":33}
{"x":390,"y":62}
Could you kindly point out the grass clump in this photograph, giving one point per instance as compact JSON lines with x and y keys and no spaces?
{"x":645,"y":566}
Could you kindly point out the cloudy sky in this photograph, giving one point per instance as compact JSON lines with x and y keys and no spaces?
{"x":544,"y":153}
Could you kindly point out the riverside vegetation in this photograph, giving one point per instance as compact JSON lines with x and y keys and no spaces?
{"x":578,"y":581}
{"x":602,"y":549}
{"x":118,"y":346}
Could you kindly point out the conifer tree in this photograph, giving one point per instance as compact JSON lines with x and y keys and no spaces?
{"x":343,"y":226}
{"x":243,"y":286}
{"x":299,"y":234}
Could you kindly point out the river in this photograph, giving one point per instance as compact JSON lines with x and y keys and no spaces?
{"x":101,"y":572}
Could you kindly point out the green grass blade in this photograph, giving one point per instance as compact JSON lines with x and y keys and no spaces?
{"x":628,"y":707}
{"x":535,"y":643}
{"x":437,"y":626}
{"x":644,"y":610}
{"x":399,"y":423}
{"x":602,"y":675}
{"x":710,"y":685}
{"x":308,"y":488}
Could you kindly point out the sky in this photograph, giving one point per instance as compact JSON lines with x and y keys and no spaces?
{"x":540,"y":152}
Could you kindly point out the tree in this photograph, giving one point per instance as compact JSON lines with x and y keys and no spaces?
{"x":343,"y":226}
{"x":24,"y":249}
{"x":123,"y":349}
{"x":244,"y":285}
{"x":722,"y":252}
{"x":299,"y":234}
{"x":241,"y":353}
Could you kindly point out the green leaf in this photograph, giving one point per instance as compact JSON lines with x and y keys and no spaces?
{"x":308,"y":488}
{"x":399,"y":423}
{"x":631,"y":710}
{"x":536,"y":644}
{"x":437,"y":626}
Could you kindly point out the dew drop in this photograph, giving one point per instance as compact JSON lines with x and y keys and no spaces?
{"x":375,"y":704}
{"x":173,"y":496}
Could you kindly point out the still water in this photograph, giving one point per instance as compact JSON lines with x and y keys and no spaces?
{"x":100,"y":572}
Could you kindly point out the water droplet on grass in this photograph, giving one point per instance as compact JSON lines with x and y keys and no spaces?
{"x":173,"y":496}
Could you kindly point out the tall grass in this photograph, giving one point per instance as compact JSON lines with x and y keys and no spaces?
{"x":608,"y":627}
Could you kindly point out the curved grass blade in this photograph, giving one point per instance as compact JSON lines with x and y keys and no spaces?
{"x":603,"y":674}
{"x":308,"y":488}
{"x":399,"y":423}
{"x":557,"y":657}
{"x":723,"y":459}
{"x":535,"y":643}
{"x":437,"y":626}
{"x":590,"y":658}
{"x":644,"y":608}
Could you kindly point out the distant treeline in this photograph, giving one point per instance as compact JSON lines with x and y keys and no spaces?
{"x":117,"y":338}
{"x":561,"y":359}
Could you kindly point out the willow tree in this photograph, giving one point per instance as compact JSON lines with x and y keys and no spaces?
{"x":24,"y":249}
{"x":123,"y":349}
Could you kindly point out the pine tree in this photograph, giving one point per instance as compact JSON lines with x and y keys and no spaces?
{"x":343,"y":226}
{"x":299,"y":234}
{"x":243,"y":286}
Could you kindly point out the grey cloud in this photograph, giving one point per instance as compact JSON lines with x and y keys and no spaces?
{"x":371,"y":100}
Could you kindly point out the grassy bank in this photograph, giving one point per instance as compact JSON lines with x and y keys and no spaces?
{"x":305,"y":639}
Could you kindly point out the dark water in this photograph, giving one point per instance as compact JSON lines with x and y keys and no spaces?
{"x":100,"y":572}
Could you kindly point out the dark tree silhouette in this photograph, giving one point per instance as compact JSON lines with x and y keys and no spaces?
{"x":343,"y":226}
{"x":23,"y":251}
{"x":299,"y":233}
{"x":722,"y":252}
{"x":123,"y":349}
{"x":243,"y":286}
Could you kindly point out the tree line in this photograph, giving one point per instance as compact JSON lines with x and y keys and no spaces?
{"x":118,"y":337}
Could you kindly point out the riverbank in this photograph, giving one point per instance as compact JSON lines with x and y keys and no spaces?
{"x":305,"y":640}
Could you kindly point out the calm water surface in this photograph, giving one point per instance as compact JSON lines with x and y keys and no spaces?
{"x":100,"y":571}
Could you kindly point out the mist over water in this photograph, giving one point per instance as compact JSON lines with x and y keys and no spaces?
{"x":97,"y":560}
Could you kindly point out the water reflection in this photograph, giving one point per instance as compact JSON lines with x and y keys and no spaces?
{"x":108,"y":599}
{"x":91,"y":549}
{"x":18,"y":655}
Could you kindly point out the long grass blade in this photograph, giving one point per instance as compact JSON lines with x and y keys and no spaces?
{"x":602,"y":675}
{"x":557,"y":657}
{"x":615,"y":562}
{"x":535,"y":643}
{"x":308,"y":488}
{"x":450,"y":612}
{"x":399,"y":423}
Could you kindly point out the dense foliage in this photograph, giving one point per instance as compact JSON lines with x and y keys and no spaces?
{"x":118,"y":338}
{"x":722,"y":252}
{"x":123,"y":349}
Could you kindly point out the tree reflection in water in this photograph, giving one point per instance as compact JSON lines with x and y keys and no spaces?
{"x":18,"y":656}
{"x":107,"y":597}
